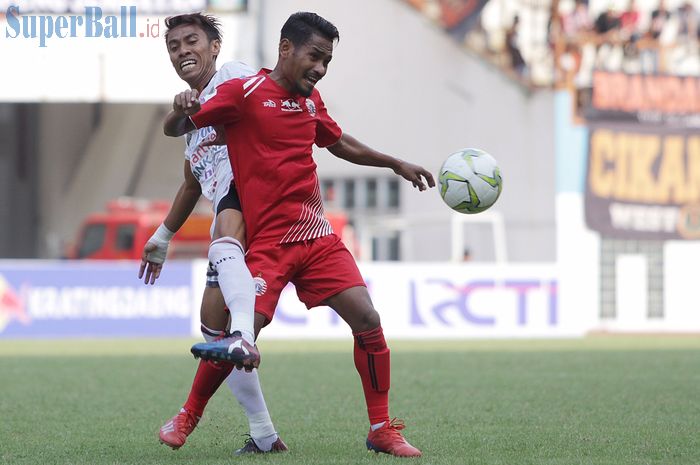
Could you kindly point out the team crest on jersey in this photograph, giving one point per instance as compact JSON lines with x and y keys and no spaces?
{"x":260,"y":286}
{"x":311,"y":107}
{"x":290,"y":105}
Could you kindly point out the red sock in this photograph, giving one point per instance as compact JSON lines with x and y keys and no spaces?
{"x":372,"y":360}
{"x":207,"y":380}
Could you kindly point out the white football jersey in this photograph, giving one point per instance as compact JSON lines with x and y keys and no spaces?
{"x":210,"y":165}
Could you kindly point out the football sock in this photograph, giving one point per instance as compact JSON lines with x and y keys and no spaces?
{"x":372,"y":361}
{"x":246,"y":387}
{"x":207,"y":380}
{"x":236,"y":284}
{"x":210,"y":334}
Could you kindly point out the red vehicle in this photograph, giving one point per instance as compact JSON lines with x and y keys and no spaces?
{"x":122,"y":230}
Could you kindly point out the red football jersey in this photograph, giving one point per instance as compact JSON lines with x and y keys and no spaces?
{"x":270,"y":133}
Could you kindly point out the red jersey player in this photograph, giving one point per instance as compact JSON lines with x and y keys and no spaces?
{"x":193,"y":43}
{"x":271,"y":122}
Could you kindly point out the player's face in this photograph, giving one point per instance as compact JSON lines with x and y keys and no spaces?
{"x":308,"y":64}
{"x":192,"y":54}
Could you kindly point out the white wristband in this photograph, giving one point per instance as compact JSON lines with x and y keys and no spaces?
{"x":162,"y":235}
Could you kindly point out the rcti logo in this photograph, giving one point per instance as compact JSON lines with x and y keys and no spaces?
{"x":11,"y":306}
{"x":93,"y":23}
{"x":453,"y":302}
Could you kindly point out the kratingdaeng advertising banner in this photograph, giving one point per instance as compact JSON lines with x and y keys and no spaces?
{"x":60,"y":299}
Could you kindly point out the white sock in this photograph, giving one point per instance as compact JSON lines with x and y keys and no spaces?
{"x":210,"y":334}
{"x":236,"y":284}
{"x":246,"y":387}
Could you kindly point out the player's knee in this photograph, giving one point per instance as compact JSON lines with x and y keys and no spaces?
{"x":368,"y":320}
{"x":224,"y":249}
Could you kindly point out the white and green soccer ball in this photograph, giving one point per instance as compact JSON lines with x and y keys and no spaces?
{"x":470,"y":181}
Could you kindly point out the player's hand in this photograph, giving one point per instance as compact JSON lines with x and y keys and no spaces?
{"x":217,"y":137}
{"x":415,"y":174}
{"x":152,"y":260}
{"x":187,"y":102}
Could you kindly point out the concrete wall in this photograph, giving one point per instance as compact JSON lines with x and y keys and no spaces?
{"x":92,"y":153}
{"x":18,"y":174}
{"x":65,"y":130}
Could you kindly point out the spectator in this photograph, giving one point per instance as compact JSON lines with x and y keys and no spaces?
{"x":568,"y":35}
{"x":512,"y":48}
{"x":650,"y":57}
{"x":607,"y":24}
{"x":607,"y":29}
{"x":688,"y":23}
{"x":659,"y":19}
{"x":577,"y":22}
{"x":629,"y":21}
{"x":629,"y":24}
{"x":467,"y":255}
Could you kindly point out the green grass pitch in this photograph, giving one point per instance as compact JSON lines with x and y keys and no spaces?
{"x":599,"y":400}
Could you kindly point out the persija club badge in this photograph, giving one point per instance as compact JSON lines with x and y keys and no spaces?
{"x":260,"y":286}
{"x":311,"y":107}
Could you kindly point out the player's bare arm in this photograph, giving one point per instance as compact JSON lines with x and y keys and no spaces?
{"x":177,"y":122}
{"x":350,"y":149}
{"x":155,"y":250}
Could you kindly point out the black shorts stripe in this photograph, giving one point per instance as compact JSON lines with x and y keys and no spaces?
{"x":230,"y":200}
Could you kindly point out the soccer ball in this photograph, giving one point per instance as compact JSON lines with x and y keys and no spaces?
{"x":470,"y":181}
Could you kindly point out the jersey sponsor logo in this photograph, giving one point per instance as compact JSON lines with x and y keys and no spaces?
{"x":311,"y":107}
{"x":290,"y":105}
{"x":269,"y":103}
{"x":206,"y":162}
{"x":260,"y":286}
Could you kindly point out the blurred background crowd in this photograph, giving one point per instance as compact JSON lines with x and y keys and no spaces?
{"x":560,"y":42}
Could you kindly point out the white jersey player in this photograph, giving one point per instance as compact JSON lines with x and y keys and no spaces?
{"x":194,"y":42}
{"x":209,"y":163}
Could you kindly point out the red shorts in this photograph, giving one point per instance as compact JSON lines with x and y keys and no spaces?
{"x":319,"y":268}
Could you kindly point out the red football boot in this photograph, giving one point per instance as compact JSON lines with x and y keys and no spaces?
{"x":388,"y":439}
{"x":174,"y":433}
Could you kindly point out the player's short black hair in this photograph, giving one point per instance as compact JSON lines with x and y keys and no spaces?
{"x":302,"y":25}
{"x":210,"y":24}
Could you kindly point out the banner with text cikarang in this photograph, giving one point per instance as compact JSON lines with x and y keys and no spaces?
{"x":643,"y":176}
